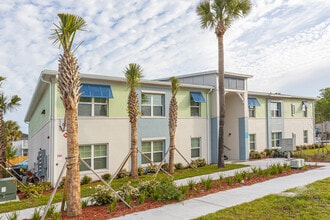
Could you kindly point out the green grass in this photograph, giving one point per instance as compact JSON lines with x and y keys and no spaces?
{"x":116,"y":184}
{"x":318,"y":154}
{"x":308,"y":202}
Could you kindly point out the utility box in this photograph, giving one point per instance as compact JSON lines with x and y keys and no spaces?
{"x":297,"y":163}
{"x":8,"y":189}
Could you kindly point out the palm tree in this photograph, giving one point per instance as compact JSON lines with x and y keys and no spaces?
{"x":133,"y":74}
{"x":12,"y":133}
{"x":69,"y":85}
{"x":6,"y":104}
{"x":218,"y":15}
{"x":173,"y":119}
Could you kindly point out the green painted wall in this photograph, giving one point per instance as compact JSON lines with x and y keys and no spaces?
{"x":118,"y":105}
{"x":183,"y":99}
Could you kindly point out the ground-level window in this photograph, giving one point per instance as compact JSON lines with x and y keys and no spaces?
{"x":154,"y":150}
{"x":305,"y":136}
{"x":276,"y":139}
{"x":95,"y":155}
{"x":195,"y":147}
{"x":252,"y":140}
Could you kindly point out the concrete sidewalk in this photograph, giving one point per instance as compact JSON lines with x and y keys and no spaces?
{"x":197,"y":207}
{"x":194,"y":208}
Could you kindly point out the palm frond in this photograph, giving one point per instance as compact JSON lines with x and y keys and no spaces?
{"x":175,"y":85}
{"x":133,"y":74}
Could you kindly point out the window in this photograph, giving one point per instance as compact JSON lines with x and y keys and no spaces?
{"x":154,"y":150}
{"x":195,"y":103}
{"x":252,"y":111}
{"x":94,"y":155}
{"x":305,"y":136}
{"x":275,"y":108}
{"x":195,"y":147}
{"x":293,"y":109}
{"x":304,"y":108}
{"x":153,"y":104}
{"x":276,"y":139}
{"x":234,"y":83}
{"x":252,"y":139}
{"x":252,"y":103}
{"x":92,"y":106}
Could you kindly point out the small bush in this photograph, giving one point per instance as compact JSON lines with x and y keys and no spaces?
{"x":207,"y":183}
{"x":13,"y":216}
{"x":142,"y":197}
{"x":84,"y":203}
{"x":200,"y":162}
{"x":191,"y":183}
{"x":103,"y":195}
{"x":254,"y":155}
{"x":239,"y":177}
{"x":141,"y":171}
{"x":166,"y":167}
{"x":166,"y":190}
{"x":128,"y":191}
{"x":106,"y":177}
{"x":51,"y":211}
{"x":112,"y":206}
{"x":36,"y":214}
{"x":152,"y":168}
{"x":123,"y":173}
{"x":229,"y":181}
{"x":178,"y":166}
{"x":85,"y":180}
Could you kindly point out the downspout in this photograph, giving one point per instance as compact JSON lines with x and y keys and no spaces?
{"x":50,"y":160}
{"x":208,"y":127}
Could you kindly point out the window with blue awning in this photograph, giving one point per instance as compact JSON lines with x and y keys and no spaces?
{"x":197,"y":96}
{"x":96,"y":91}
{"x":253,"y":102}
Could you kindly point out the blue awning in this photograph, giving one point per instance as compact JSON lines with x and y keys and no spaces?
{"x":96,"y":91}
{"x":253,"y":102}
{"x":197,"y":96}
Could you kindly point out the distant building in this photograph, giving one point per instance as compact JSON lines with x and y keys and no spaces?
{"x":104,"y":128}
{"x":21,"y":145}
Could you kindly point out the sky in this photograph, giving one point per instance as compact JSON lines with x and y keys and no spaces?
{"x":283,"y":44}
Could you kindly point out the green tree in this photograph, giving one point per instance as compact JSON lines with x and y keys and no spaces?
{"x":133,"y":74}
{"x":69,"y":85}
{"x":219,"y":15}
{"x":12,"y":133}
{"x":173,"y":119}
{"x":6,"y":104}
{"x":322,"y":106}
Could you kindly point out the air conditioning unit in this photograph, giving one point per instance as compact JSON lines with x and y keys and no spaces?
{"x":297,"y":163}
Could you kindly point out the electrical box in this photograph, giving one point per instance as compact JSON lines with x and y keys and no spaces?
{"x":297,"y":163}
{"x":8,"y":189}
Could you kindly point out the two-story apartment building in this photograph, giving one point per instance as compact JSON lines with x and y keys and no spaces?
{"x":104,"y":128}
{"x":274,"y":117}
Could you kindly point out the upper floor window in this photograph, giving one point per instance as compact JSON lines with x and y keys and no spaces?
{"x":153,"y":104}
{"x":154,"y":150}
{"x":252,"y":140}
{"x":94,"y":100}
{"x":304,"y":108}
{"x":275,"y":108}
{"x":234,"y":83}
{"x":94,"y":155}
{"x":195,"y":147}
{"x":252,"y":103}
{"x":195,"y":103}
{"x":293,"y":109}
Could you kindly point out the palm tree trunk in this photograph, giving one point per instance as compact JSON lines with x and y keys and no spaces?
{"x":2,"y":145}
{"x":221,"y":72}
{"x":74,"y":205}
{"x":172,"y":147}
{"x":134,"y":167}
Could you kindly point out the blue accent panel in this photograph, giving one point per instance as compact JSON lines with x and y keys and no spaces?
{"x":96,"y":91}
{"x":243,"y":139}
{"x":214,"y":139}
{"x":253,"y":102}
{"x":197,"y":96}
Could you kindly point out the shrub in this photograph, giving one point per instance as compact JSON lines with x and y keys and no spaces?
{"x":13,"y":216}
{"x":152,"y":168}
{"x":142,"y":197}
{"x":85,"y":180}
{"x":128,"y":191}
{"x":147,"y":187}
{"x":141,"y":171}
{"x":191,"y":183}
{"x":122,"y":173}
{"x":184,"y":190}
{"x":255,"y":155}
{"x":112,"y":206}
{"x":200,"y":162}
{"x":103,"y":195}
{"x":166,"y":190}
{"x":51,"y":211}
{"x":36,"y":214}
{"x":229,"y":181}
{"x":239,"y":177}
{"x":207,"y":183}
{"x":166,"y":167}
{"x":178,"y":166}
{"x":106,"y":177}
{"x":84,"y":203}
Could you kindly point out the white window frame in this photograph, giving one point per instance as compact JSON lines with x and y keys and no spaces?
{"x":152,"y":152}
{"x":276,"y":142}
{"x":305,"y":136}
{"x":92,"y":103}
{"x":293,"y":109}
{"x":93,"y":158}
{"x":151,"y":105}
{"x":195,"y":105}
{"x":276,"y":109}
{"x":252,"y":143}
{"x":193,"y":148}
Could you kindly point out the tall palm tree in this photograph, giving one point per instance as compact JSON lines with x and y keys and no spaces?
{"x":69,"y":85}
{"x":219,"y":15}
{"x":133,"y":74}
{"x":173,"y":119}
{"x":6,"y":104}
{"x":12,"y":133}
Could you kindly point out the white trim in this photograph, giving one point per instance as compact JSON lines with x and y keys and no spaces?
{"x":153,"y":92}
{"x":154,"y":139}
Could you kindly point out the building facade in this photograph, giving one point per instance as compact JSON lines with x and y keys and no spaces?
{"x":104,"y":128}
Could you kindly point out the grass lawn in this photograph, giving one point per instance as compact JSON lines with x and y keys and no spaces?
{"x":116,"y":184}
{"x":318,"y":154}
{"x":308,"y":202}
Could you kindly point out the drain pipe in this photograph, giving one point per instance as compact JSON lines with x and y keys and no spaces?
{"x":208,"y":126}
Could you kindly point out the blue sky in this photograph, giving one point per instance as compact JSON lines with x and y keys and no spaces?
{"x":284,"y":44}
